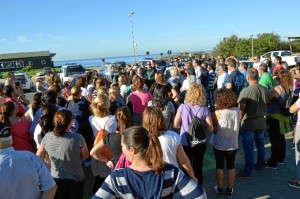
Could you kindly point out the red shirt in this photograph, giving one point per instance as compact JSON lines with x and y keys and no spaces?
{"x":21,"y":136}
{"x":20,"y":107}
{"x":276,"y":68}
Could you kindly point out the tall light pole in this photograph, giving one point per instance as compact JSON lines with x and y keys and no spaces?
{"x":134,"y":45}
{"x":252,"y":45}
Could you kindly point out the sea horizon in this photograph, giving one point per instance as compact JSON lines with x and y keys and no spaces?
{"x":96,"y":62}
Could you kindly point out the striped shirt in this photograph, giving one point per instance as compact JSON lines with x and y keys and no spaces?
{"x":64,"y":154}
{"x":127,"y":183}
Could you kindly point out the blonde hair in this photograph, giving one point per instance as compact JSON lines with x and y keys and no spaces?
{"x":196,"y":95}
{"x":102,"y":90}
{"x":121,"y":80}
{"x":174,"y":72}
{"x":160,"y":78}
{"x":100,"y":105}
{"x":113,"y":94}
{"x":75,"y":93}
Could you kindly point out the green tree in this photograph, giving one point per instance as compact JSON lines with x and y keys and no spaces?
{"x":266,"y":42}
{"x":226,"y":47}
{"x":239,"y":47}
{"x":243,"y":48}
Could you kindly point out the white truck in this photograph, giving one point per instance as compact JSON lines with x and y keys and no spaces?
{"x":287,"y":58}
{"x":69,"y":72}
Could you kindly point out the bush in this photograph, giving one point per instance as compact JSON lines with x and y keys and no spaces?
{"x":26,"y":68}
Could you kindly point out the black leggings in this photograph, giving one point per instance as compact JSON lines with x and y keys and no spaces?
{"x":196,"y":155}
{"x":221,"y":156}
{"x":68,"y":189}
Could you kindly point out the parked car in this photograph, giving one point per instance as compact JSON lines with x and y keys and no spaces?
{"x":160,"y":62}
{"x":25,"y":80}
{"x":287,"y":58}
{"x":68,"y":72}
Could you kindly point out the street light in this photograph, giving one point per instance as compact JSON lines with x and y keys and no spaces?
{"x":252,"y":45}
{"x":134,"y":45}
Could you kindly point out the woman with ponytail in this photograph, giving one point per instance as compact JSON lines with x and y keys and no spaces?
{"x":65,"y":150}
{"x":148,"y":176}
{"x":170,"y":141}
{"x":113,"y":140}
{"x":19,"y":127}
{"x":101,"y":119}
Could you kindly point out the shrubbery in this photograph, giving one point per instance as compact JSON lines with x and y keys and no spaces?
{"x":26,"y":68}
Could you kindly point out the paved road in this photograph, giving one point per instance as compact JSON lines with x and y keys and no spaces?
{"x":267,"y":184}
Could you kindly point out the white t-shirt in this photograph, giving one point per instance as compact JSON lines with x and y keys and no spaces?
{"x":90,"y":88}
{"x":188,"y":81}
{"x":123,"y":90}
{"x":256,"y":65}
{"x":42,"y":84}
{"x":38,"y":135}
{"x":222,"y":80}
{"x":97,"y":123}
{"x":85,"y":92}
{"x":169,"y":142}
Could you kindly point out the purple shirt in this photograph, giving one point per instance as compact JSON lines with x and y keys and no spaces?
{"x":185,"y":111}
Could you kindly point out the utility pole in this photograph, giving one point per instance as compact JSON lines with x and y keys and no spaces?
{"x":252,"y":45}
{"x":134,"y":45}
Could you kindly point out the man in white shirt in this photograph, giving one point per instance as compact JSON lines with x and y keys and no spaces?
{"x":197,"y":67}
{"x":222,"y":76}
{"x":256,"y":60}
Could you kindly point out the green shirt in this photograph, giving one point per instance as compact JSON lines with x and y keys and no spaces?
{"x":255,"y":98}
{"x":266,"y":80}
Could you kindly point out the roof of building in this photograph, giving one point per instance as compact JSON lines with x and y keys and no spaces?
{"x":26,"y":54}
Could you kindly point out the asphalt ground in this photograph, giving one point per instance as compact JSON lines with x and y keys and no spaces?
{"x":269,"y":183}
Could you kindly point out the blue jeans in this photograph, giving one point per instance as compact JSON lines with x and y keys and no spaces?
{"x":248,"y":137}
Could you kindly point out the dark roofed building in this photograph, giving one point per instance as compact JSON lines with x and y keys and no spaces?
{"x":16,"y":61}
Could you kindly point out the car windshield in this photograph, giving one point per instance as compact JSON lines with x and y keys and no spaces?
{"x":75,"y":69}
{"x":286,"y":53}
{"x":19,"y":77}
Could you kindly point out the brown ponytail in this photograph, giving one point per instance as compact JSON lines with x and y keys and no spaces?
{"x":154,"y":155}
{"x":123,"y":117}
{"x":62,"y":120}
{"x":148,"y":145}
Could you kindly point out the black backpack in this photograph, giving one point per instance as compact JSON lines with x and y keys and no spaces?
{"x":197,"y":131}
{"x":285,"y":107}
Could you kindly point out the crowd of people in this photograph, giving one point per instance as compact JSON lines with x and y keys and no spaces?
{"x":134,"y":129}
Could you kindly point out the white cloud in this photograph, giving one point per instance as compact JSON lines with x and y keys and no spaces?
{"x":23,"y":39}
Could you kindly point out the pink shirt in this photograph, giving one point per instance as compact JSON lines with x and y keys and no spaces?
{"x":140,"y":100}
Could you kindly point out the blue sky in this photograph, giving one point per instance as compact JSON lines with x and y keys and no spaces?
{"x":98,"y":28}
